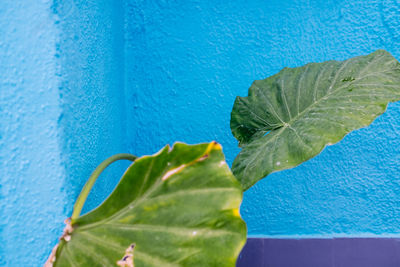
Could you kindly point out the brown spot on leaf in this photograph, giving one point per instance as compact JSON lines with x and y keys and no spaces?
{"x":68,"y":229}
{"x":52,"y":258}
{"x":211,"y":146}
{"x":203,"y":157}
{"x":172,"y":172}
{"x":127,"y":259}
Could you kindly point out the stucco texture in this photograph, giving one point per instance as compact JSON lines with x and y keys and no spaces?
{"x":82,"y":80}
{"x":186,"y":62}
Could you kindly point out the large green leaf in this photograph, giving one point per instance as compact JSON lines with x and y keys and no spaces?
{"x":290,"y":117}
{"x":178,"y":207}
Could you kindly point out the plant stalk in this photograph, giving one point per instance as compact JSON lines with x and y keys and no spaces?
{"x":92,"y":179}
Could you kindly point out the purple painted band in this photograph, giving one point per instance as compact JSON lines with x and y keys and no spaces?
{"x":334,"y":252}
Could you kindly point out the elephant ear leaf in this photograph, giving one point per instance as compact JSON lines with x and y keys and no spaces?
{"x":179,"y":207}
{"x":290,"y":117}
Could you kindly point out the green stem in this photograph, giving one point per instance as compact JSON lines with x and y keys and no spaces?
{"x":92,"y":179}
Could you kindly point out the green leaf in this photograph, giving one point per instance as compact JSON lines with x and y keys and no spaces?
{"x":179,"y":207}
{"x":290,"y":117}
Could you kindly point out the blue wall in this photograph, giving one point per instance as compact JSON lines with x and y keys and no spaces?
{"x":82,"y":80}
{"x":186,"y":62}
{"x":61,"y":114}
{"x":31,"y":170}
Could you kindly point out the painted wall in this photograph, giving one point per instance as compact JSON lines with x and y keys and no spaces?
{"x":61,"y":114}
{"x":82,"y":80}
{"x":186,"y":62}
{"x":31,"y":170}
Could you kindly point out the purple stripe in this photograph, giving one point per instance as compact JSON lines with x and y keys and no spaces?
{"x":335,"y":252}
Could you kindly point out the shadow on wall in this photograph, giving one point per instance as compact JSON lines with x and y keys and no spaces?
{"x":90,"y":59}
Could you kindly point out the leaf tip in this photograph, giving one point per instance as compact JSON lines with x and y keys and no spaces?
{"x":213,"y":146}
{"x":236,"y":213}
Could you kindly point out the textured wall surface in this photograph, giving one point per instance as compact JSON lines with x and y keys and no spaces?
{"x":61,"y":114}
{"x":186,"y":62}
{"x":31,"y":170}
{"x":89,"y":55}
{"x":82,"y":80}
